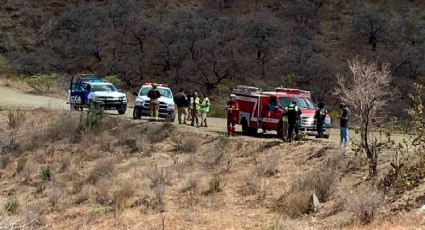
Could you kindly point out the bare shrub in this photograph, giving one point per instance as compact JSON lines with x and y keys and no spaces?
{"x":15,"y":121}
{"x":126,"y":190}
{"x":295,"y":204}
{"x":33,"y":217}
{"x":254,"y":184}
{"x":4,"y":161}
{"x":219,"y":154}
{"x":216,"y":184}
{"x":191,"y":183}
{"x":158,"y":203}
{"x":105,"y":141}
{"x":55,"y":196}
{"x":158,"y":176}
{"x":20,"y":164}
{"x":186,"y":144}
{"x":104,"y":168}
{"x":364,"y":203}
{"x":86,"y":192}
{"x":322,"y":182}
{"x":268,"y":167}
{"x":102,"y":191}
{"x":66,"y":125}
{"x":158,"y":133}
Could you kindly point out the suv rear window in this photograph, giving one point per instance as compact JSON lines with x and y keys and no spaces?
{"x":303,"y":103}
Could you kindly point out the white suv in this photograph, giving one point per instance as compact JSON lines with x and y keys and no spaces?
{"x":166,"y":102}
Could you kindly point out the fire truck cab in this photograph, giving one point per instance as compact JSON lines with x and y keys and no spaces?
{"x":258,"y":109}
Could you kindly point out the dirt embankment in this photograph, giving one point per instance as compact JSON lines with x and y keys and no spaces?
{"x":127,"y":174}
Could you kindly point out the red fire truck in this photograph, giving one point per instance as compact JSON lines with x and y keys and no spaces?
{"x":264,"y":110}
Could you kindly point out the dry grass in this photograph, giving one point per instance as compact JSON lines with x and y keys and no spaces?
{"x":121,"y":196}
{"x":364,"y":203}
{"x":268,"y":166}
{"x":102,"y":191}
{"x":216,"y":184}
{"x":289,"y":224}
{"x":322,"y":181}
{"x":295,"y":204}
{"x":157,"y":133}
{"x":185,"y":143}
{"x":191,"y":184}
{"x":158,"y":176}
{"x":103,"y":169}
{"x":56,"y":196}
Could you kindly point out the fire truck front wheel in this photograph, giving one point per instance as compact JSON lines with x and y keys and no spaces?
{"x":246,"y":130}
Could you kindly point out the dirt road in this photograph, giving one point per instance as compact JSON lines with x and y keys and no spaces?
{"x":14,"y":99}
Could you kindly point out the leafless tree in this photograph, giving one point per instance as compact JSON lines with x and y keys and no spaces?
{"x":262,"y":33}
{"x":372,"y":24}
{"x":366,"y":91}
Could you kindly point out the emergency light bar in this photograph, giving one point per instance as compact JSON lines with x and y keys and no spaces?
{"x":246,"y":89}
{"x":157,"y":84}
{"x":293,"y":91}
{"x":89,"y":78}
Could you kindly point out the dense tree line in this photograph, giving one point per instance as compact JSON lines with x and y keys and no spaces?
{"x":211,"y":44}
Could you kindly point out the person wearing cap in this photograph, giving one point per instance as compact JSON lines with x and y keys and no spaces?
{"x":344,"y":125}
{"x":194,"y":107}
{"x":154,"y":95}
{"x":232,"y":114}
{"x":293,"y":113}
{"x":319,"y":119}
{"x":204,"y":110}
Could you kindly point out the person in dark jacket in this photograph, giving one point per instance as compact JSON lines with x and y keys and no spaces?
{"x":181,"y":102}
{"x":293,"y":113}
{"x":344,"y":125}
{"x":154,"y":95}
{"x":319,"y":119}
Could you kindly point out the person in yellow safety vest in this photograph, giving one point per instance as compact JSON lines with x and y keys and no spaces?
{"x":194,"y":107}
{"x":205,"y":109}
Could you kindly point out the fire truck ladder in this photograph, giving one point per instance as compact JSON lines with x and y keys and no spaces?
{"x":243,"y":89}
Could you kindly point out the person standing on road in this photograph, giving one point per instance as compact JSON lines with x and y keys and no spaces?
{"x":294,"y":114}
{"x":180,"y":100}
{"x":319,"y":119}
{"x":284,"y":133}
{"x":189,"y":95}
{"x":344,"y":124}
{"x":154,"y":95}
{"x":232,"y":114}
{"x":194,"y":108}
{"x":205,"y":109}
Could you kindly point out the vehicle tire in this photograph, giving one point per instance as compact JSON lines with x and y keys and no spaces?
{"x":252,"y":131}
{"x":245,"y":129}
{"x":280,"y":130}
{"x":121,"y":111}
{"x":136,"y":114}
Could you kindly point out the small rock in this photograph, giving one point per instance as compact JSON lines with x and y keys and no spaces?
{"x":315,"y":203}
{"x":422,"y":209}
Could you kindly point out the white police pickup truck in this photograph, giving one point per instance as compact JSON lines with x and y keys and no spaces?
{"x":166,"y":102}
{"x":86,"y":90}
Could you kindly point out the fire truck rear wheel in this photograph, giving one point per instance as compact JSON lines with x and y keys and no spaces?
{"x":252,"y":131}
{"x":244,"y":124}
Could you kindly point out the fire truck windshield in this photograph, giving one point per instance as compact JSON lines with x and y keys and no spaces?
{"x":304,"y":103}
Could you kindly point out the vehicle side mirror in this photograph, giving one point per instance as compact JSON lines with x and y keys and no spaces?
{"x":135,"y":94}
